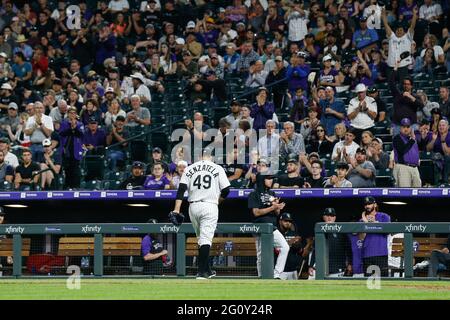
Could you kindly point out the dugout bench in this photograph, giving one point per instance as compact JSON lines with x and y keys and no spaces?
{"x":7,"y":250}
{"x":240,"y":247}
{"x":422,"y":250}
{"x":112,"y":247}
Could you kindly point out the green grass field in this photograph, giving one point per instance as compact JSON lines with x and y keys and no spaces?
{"x":220,"y":289}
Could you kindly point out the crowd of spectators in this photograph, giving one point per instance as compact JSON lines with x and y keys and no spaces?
{"x":68,"y":91}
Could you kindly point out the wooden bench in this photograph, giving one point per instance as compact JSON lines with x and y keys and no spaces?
{"x":423,"y":251}
{"x":241,"y":247}
{"x":6,"y":247}
{"x":425,"y":246}
{"x":112,"y":246}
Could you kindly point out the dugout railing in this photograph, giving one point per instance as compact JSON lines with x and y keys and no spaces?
{"x":413,"y":234}
{"x":20,"y":235}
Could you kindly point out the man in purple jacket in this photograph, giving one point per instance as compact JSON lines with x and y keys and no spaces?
{"x":105,"y":47}
{"x":297,"y":73}
{"x":406,"y":157}
{"x":94,"y":138}
{"x":375,"y":248}
{"x":71,"y":135}
{"x":262,"y":110}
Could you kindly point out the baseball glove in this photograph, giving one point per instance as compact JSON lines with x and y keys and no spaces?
{"x":176,"y":218}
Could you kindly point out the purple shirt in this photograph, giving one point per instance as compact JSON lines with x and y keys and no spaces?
{"x":407,"y":12}
{"x":329,"y":77}
{"x":66,"y":133}
{"x":438,"y":145}
{"x":97,"y":139}
{"x":357,"y":245}
{"x":411,"y":156}
{"x":146,"y":245}
{"x":150,"y":245}
{"x":261,"y":114}
{"x":211,"y":36}
{"x":423,"y":142}
{"x":152,"y":184}
{"x":297,"y":77}
{"x":375,"y":244}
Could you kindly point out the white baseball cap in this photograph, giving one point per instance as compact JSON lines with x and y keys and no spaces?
{"x":191,"y":24}
{"x":138,"y":76}
{"x":233,"y":34}
{"x":180,"y":41}
{"x":4,"y":55}
{"x":182,"y":163}
{"x":361,"y":87}
{"x":46,"y":143}
{"x":6,"y":86}
{"x":327,"y":57}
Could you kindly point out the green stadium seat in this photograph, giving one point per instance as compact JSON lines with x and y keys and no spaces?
{"x":115,"y":175}
{"x":384,"y":178}
{"x":94,"y":167}
{"x":387,"y":147}
{"x":239,"y":184}
{"x":92,"y":185}
{"x":111,"y":184}
{"x":6,"y":186}
{"x":427,"y":171}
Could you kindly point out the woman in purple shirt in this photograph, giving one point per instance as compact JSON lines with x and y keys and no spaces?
{"x":375,"y":248}
{"x":157,"y":180}
{"x":440,"y":143}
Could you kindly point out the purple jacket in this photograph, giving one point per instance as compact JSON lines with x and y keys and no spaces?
{"x":97,"y":140}
{"x":375,"y":244}
{"x":105,"y":49}
{"x":298,"y":77}
{"x":262,"y":114}
{"x":65,"y":132}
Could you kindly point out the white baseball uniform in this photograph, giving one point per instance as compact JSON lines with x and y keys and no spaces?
{"x":205,"y":180}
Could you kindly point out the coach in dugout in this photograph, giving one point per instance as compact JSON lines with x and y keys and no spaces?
{"x":339,"y":252}
{"x":265,"y":208}
{"x":153,"y":254}
{"x":375,"y":249}
{"x":299,"y":247}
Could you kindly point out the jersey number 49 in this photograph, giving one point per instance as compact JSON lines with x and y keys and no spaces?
{"x":203,"y":182}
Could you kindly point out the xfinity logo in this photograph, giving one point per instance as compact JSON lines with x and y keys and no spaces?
{"x":88,"y":228}
{"x":246,"y":228}
{"x":331,"y":227}
{"x":412,"y":228}
{"x":165,"y":228}
{"x":11,"y":229}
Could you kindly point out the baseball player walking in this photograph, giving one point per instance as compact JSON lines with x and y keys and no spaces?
{"x":207,"y":184}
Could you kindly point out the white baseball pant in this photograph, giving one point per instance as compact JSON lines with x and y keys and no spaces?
{"x":281,"y":244}
{"x":291,"y":275}
{"x":204,"y":216}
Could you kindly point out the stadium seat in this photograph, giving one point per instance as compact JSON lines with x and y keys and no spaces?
{"x":115,"y":175}
{"x":384,"y":178}
{"x":6,"y":186}
{"x":92,"y":185}
{"x":387,"y":146}
{"x":111,"y":184}
{"x":94,"y":167}
{"x":426,"y":169}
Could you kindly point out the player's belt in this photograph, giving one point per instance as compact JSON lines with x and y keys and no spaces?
{"x":202,"y":201}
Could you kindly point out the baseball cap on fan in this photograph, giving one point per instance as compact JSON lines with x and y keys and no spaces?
{"x":361,"y":87}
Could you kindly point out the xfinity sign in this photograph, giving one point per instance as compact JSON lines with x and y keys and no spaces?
{"x":331,"y":228}
{"x":415,"y":228}
{"x":88,"y":228}
{"x":165,"y":228}
{"x":12,"y":229}
{"x":246,"y":228}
